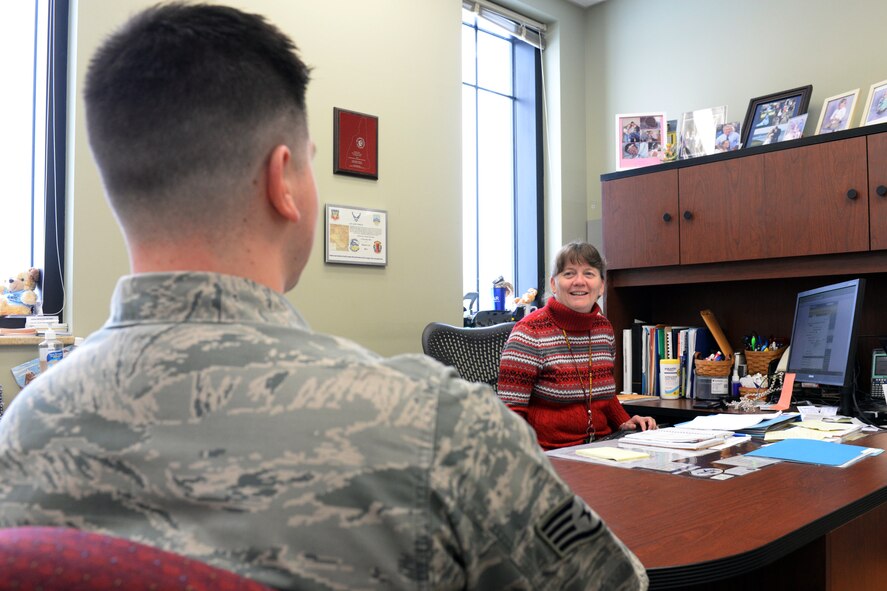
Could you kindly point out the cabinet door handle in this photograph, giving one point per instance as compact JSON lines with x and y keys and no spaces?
{"x":688,"y":216}
{"x":666,"y":216}
{"x":881,"y":190}
{"x":852,"y":194}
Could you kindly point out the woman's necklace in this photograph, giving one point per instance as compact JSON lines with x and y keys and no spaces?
{"x":589,"y":429}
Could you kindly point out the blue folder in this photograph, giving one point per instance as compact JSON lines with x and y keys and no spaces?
{"x":812,"y":451}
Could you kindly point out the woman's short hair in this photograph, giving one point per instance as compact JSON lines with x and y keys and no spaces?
{"x":578,"y":252}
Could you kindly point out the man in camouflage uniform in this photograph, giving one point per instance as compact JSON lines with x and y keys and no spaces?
{"x":207,"y":419}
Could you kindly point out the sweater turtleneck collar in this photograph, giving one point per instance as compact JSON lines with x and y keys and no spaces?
{"x":571,"y":320}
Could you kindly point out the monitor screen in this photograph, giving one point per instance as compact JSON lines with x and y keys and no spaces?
{"x":823,"y":343}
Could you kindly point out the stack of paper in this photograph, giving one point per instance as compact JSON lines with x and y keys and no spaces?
{"x":761,"y":429}
{"x":676,"y":438}
{"x":814,"y":430}
{"x":748,"y":424}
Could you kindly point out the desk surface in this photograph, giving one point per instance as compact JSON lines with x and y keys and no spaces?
{"x":671,"y":411}
{"x":688,"y":531}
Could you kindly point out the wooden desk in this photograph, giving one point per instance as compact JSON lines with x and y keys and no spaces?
{"x":787,"y":526}
{"x":668,"y":411}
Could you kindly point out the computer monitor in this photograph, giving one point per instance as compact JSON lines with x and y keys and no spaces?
{"x":823,"y":343}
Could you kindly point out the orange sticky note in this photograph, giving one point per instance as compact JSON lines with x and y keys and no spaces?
{"x":785,"y":397}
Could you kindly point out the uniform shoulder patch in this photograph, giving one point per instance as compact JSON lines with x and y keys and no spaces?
{"x":568,"y":525}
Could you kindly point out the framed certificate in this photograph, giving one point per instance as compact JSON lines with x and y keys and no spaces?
{"x":355,"y":144}
{"x":356,"y":236}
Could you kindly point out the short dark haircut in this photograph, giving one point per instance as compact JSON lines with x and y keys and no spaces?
{"x":188,"y":99}
{"x":578,"y":252}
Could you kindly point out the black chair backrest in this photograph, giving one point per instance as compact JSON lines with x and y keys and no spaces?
{"x":491,"y":317}
{"x":469,"y":302}
{"x":474,"y":352}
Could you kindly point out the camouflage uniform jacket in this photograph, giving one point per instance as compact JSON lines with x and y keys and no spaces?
{"x":207,"y":419}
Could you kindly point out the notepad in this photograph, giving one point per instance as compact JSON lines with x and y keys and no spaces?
{"x":676,"y":438}
{"x":812,"y":451}
{"x":611,"y":453}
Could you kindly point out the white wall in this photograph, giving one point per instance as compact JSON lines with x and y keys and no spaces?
{"x":681,"y":55}
{"x":398,"y":60}
{"x":406,"y":75}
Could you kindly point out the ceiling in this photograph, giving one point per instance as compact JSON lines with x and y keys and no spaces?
{"x":585,"y":3}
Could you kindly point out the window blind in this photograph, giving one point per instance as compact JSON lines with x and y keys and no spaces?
{"x":523,"y":28}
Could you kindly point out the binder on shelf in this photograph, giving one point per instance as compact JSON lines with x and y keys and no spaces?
{"x":637,"y":332}
{"x":627,"y":363}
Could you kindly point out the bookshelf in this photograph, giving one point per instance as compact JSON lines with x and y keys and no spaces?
{"x":742,"y":233}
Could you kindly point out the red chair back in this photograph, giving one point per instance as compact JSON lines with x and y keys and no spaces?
{"x":61,"y":559}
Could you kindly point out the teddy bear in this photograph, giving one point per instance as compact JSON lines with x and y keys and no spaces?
{"x":528,"y":298}
{"x":17,"y":295}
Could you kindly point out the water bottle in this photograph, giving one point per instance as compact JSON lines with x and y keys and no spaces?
{"x":51,"y":351}
{"x":77,"y":342}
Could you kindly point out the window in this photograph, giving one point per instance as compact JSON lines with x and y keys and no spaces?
{"x":502,"y":159}
{"x":32,"y":151}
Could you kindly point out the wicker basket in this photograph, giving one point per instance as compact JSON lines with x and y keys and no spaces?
{"x":759,"y":361}
{"x":714,"y":369}
{"x":755,"y":394}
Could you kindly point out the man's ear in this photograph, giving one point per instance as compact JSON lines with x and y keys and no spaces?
{"x":279,"y":191}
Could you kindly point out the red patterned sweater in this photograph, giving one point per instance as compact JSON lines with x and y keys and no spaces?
{"x":543,"y":381}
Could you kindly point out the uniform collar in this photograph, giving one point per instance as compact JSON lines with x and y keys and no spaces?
{"x":198,"y":297}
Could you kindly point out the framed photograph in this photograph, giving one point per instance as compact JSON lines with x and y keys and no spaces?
{"x":774,"y":109}
{"x":699,"y":130}
{"x":640,"y":139}
{"x":837,"y":111}
{"x":727,"y":136}
{"x":790,"y":130}
{"x":355,"y":235}
{"x":355,"y":144}
{"x":876,"y":105}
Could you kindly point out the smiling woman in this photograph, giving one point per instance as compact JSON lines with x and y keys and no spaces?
{"x":556,"y":369}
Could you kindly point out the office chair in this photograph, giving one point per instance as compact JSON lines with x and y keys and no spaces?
{"x":474,"y":352}
{"x":491,"y":317}
{"x":469,"y":302}
{"x":64,"y":559}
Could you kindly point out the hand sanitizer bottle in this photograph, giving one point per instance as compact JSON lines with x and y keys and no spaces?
{"x":51,"y":351}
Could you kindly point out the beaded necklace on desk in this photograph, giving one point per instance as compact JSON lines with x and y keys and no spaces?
{"x":589,"y":429}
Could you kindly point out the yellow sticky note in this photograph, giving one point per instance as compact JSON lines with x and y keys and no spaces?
{"x":612,"y":453}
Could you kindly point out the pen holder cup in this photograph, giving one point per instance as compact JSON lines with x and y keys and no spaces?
{"x":759,"y":361}
{"x":754,"y":394}
{"x":714,"y":369}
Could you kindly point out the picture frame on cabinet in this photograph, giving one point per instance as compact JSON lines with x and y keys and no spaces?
{"x":837,"y":112}
{"x":791,"y":130}
{"x":875,"y":110}
{"x":774,"y":109}
{"x":699,"y":131}
{"x":640,"y":139}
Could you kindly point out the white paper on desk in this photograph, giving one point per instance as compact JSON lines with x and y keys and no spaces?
{"x":809,"y":412}
{"x":796,"y":433}
{"x":727,"y":421}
